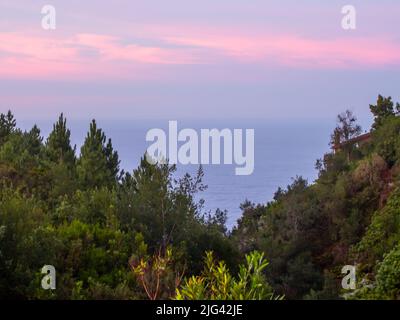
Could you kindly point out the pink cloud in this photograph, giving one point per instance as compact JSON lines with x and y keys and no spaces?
{"x":23,"y":55}
{"x":41,"y":57}
{"x":294,"y":51}
{"x":110,"y":49}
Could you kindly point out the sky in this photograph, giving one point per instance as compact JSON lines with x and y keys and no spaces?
{"x":186,"y":59}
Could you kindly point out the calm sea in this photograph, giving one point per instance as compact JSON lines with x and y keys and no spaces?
{"x":283,"y":149}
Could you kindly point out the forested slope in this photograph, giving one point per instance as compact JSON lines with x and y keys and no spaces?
{"x":349,"y":216}
{"x":117,"y":235}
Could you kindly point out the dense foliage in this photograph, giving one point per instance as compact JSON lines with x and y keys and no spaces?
{"x":111,"y":234}
{"x":90,"y":220}
{"x":216,"y":282}
{"x":349,"y":216}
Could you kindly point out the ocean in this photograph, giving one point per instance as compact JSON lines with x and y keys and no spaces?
{"x":283,"y":150}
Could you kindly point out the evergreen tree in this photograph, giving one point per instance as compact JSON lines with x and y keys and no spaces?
{"x":99,"y":163}
{"x":112,"y":160}
{"x":346,"y":129}
{"x":7,"y":126}
{"x":383,"y":109}
{"x":34,"y":141}
{"x":58,"y":144}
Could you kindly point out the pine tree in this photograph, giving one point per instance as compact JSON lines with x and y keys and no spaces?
{"x":99,"y":164}
{"x":34,"y":141}
{"x":346,"y":129}
{"x":58,"y":144}
{"x":7,"y":126}
{"x":383,"y":109}
{"x":112,"y":160}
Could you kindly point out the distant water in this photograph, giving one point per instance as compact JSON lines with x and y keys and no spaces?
{"x":283,"y":149}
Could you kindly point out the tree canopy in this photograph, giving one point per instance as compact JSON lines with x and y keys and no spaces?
{"x":144,"y":234}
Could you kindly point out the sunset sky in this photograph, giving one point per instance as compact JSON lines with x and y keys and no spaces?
{"x":177,"y":59}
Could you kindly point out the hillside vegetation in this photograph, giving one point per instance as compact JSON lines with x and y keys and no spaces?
{"x":111,"y":234}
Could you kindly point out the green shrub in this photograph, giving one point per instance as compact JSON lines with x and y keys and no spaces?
{"x":216,"y":282}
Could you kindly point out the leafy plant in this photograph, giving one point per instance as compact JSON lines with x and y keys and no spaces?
{"x":216,"y":282}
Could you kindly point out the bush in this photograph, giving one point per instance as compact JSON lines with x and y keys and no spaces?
{"x":216,"y":282}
